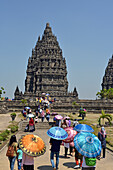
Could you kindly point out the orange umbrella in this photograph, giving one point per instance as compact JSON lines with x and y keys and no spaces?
{"x":32,"y":145}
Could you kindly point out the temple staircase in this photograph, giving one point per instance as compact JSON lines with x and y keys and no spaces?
{"x":38,"y":125}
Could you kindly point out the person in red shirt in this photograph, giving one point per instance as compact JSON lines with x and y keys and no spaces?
{"x":31,"y":125}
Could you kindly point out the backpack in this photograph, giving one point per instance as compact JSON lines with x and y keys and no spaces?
{"x":10,"y":151}
{"x":90,"y":161}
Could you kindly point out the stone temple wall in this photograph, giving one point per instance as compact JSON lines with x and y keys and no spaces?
{"x":92,"y":106}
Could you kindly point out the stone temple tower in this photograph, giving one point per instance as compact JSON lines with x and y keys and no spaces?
{"x":46,"y":69}
{"x":108,"y":77}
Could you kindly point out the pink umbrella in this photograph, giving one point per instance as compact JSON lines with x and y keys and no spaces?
{"x":71,"y":134}
{"x":59,"y":117}
{"x":66,"y":117}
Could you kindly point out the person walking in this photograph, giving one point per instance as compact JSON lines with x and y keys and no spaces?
{"x":31,"y":125}
{"x":58,"y":123}
{"x":47,"y":114}
{"x":66,"y":147}
{"x":13,"y":144}
{"x":24,"y":114}
{"x":77,"y":157}
{"x":27,"y":162}
{"x":102,"y":138}
{"x":42,"y":115}
{"x":71,"y":145}
{"x":19,"y":157}
{"x":55,"y":149}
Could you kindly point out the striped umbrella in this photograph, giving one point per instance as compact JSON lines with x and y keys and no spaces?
{"x":71,"y":134}
{"x":57,"y":133}
{"x":87,"y":144}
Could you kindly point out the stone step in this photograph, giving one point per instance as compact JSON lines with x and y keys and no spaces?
{"x":39,"y":125}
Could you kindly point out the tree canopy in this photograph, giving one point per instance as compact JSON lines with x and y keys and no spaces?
{"x":2,"y":91}
{"x":107,"y":94}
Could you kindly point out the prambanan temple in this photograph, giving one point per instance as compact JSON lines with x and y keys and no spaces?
{"x":46,"y":70}
{"x":47,"y":73}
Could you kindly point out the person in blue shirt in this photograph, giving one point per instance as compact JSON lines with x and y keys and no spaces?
{"x":19,"y":159}
{"x":55,"y":149}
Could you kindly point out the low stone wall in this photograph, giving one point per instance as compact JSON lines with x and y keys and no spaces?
{"x":94,"y":106}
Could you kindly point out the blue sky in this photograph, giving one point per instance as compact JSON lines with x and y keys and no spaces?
{"x":84,"y":29}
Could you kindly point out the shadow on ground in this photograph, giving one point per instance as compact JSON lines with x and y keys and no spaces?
{"x":60,"y":156}
{"x":69,"y":164}
{"x":46,"y":167}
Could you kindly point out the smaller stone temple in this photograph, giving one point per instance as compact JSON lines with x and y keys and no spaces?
{"x":46,"y":69}
{"x":108,"y":77}
{"x":18,"y":94}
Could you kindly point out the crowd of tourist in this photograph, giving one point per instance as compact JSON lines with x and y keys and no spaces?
{"x":26,"y":162}
{"x":76,"y":139}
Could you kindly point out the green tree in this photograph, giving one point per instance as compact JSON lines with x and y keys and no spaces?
{"x":110,"y":93}
{"x":107,"y":94}
{"x":103,"y":117}
{"x":74,"y":104}
{"x":102,"y":94}
{"x":2,"y":91}
{"x":24,"y":102}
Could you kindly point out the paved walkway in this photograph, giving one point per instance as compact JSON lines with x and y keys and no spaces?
{"x":43,"y":162}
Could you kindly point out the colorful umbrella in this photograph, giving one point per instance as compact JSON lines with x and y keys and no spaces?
{"x":43,"y":94}
{"x":83,"y":128}
{"x":47,"y":94}
{"x":32,"y":145}
{"x":87,"y":144}
{"x":27,"y":108}
{"x":59,"y":117}
{"x":66,"y":117}
{"x":30,"y":115}
{"x":71,"y":134}
{"x":57,"y":133}
{"x":54,"y":114}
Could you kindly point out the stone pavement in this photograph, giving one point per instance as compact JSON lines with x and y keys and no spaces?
{"x":43,"y":162}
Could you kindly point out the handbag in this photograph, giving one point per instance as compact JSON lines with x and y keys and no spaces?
{"x":10,"y":151}
{"x":90,"y":161}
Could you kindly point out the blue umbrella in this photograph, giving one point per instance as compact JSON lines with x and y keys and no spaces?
{"x":83,"y":128}
{"x":27,"y":108}
{"x":87,"y":144}
{"x":47,"y":94}
{"x":57,"y":133}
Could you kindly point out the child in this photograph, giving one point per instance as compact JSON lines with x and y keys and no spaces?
{"x":19,"y":158}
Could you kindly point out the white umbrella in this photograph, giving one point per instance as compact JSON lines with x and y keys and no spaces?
{"x":30,"y":115}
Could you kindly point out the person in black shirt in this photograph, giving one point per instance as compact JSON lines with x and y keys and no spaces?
{"x":55,"y":149}
{"x":102,"y":137}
